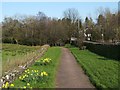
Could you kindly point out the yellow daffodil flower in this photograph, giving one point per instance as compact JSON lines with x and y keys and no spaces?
{"x":28,"y":84}
{"x":26,"y":71}
{"x":24,"y":87}
{"x":41,"y":74}
{"x":3,"y":85}
{"x":20,"y":77}
{"x":12,"y":85}
{"x":35,"y":71}
{"x":6,"y":85}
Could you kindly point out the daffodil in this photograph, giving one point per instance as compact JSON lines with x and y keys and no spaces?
{"x":41,"y":74}
{"x":43,"y":61}
{"x":24,"y":87}
{"x":3,"y":85}
{"x":45,"y":73}
{"x":28,"y":84}
{"x":20,"y":77}
{"x":12,"y":85}
{"x":48,"y":61}
{"x":26,"y":71}
{"x":23,"y":77}
{"x":35,"y":71}
{"x":6,"y":85}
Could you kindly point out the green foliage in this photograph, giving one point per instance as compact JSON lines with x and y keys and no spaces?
{"x":102,"y":72}
{"x":47,"y":81}
{"x":34,"y":76}
{"x":96,"y":34}
{"x":69,"y":46}
{"x":45,"y":61}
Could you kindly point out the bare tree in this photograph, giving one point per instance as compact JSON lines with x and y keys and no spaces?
{"x":71,"y":14}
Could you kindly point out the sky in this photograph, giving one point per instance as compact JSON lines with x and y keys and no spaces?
{"x":55,"y":9}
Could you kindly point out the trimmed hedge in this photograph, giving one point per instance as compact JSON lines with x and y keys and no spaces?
{"x":107,"y":50}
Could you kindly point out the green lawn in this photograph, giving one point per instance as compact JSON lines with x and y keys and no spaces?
{"x":47,"y":81}
{"x":103,"y":73}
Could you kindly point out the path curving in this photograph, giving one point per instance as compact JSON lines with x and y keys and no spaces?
{"x":70,"y":74}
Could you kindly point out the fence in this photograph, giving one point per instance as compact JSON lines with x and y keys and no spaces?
{"x":107,"y":50}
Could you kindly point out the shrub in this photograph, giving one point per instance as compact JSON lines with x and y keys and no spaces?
{"x":107,"y":50}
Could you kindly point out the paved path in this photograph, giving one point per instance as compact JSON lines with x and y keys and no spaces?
{"x":70,"y":74}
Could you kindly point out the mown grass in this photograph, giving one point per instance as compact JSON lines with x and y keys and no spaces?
{"x":14,"y":55}
{"x":54,"y":54}
{"x":102,"y":72}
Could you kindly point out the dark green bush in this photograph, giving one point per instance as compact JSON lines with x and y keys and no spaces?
{"x":107,"y":50}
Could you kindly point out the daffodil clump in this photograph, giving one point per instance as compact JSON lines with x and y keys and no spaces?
{"x":26,"y":86}
{"x":34,"y":75}
{"x":28,"y":77}
{"x":43,"y":61}
{"x":43,"y":74}
{"x":8,"y":85}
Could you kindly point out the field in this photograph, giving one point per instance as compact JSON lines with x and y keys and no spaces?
{"x":102,"y":72}
{"x":42,"y":73}
{"x":14,"y":55}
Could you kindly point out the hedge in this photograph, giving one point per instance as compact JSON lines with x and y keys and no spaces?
{"x":111,"y":51}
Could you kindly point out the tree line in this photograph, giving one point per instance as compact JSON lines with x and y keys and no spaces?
{"x":41,"y":29}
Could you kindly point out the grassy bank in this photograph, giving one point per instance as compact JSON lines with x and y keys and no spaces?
{"x":14,"y":55}
{"x":102,"y":72}
{"x":44,"y":71}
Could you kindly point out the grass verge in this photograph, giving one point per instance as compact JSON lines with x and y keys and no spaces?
{"x":102,"y":72}
{"x":54,"y":54}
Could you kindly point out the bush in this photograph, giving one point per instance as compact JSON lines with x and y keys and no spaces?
{"x":107,"y":50}
{"x":69,"y":46}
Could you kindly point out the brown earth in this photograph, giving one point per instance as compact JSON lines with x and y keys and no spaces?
{"x":70,"y":73}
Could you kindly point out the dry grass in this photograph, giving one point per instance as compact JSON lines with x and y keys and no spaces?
{"x":12,"y":58}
